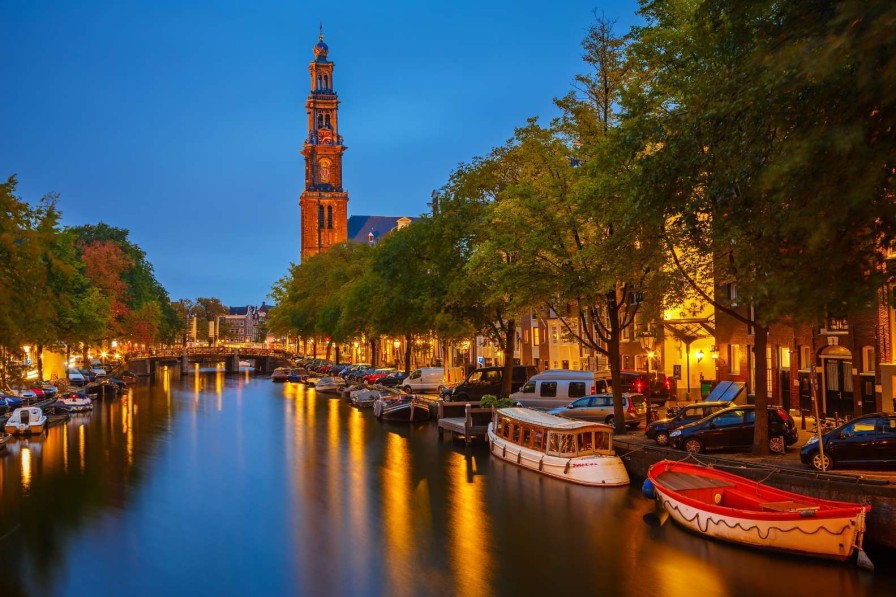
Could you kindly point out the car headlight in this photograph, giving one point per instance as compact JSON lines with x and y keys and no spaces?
{"x":812,"y":440}
{"x":675,"y":433}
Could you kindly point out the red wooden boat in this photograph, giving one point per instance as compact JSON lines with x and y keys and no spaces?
{"x":732,"y":508}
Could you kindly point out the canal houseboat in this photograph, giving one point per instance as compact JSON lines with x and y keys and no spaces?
{"x":575,"y":451}
{"x":732,"y":508}
{"x":26,"y":420}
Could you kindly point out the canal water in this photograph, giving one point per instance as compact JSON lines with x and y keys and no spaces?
{"x":231,"y":485}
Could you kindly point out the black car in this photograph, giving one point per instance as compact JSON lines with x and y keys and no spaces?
{"x":659,"y":430}
{"x":866,"y":440}
{"x":487,"y":380}
{"x":732,"y":429}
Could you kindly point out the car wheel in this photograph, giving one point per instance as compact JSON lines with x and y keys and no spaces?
{"x":408,"y":389}
{"x":440,"y":389}
{"x":776,"y":445}
{"x":662,"y":438}
{"x":694,"y":446}
{"x":822,"y":464}
{"x":611,"y":420}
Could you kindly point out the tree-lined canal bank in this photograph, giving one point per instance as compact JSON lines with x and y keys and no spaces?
{"x":219,"y":484}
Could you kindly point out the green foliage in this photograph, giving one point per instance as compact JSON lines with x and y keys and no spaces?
{"x":492,"y":401}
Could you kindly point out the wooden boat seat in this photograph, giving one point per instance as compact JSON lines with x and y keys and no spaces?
{"x":787,"y":506}
{"x":682,"y":481}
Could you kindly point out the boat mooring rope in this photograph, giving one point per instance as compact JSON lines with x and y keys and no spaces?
{"x":11,"y":531}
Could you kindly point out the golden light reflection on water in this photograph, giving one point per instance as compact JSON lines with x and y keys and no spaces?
{"x":398,"y":519}
{"x":26,"y":469}
{"x":82,"y":444}
{"x":470,"y":539}
{"x":357,"y":486}
{"x":219,"y":389}
{"x":65,"y":432}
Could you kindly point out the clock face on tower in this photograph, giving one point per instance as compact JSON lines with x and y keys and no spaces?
{"x":324,"y":136}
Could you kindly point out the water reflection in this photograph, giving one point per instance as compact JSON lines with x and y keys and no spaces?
{"x":234,"y":485}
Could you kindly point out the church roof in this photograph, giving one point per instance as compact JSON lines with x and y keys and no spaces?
{"x":360,"y":227}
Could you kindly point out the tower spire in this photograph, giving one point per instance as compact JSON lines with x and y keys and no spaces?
{"x":321,"y":36}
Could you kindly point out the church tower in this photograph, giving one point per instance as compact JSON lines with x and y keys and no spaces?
{"x":324,"y":204}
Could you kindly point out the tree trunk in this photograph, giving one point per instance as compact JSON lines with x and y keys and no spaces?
{"x":509,"y":348}
{"x":615,"y":359}
{"x":327,"y":353}
{"x":374,"y":361}
{"x":337,"y":354}
{"x":408,"y":339}
{"x":760,"y":431}
{"x":40,"y":362}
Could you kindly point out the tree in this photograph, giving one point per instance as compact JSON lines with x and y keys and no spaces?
{"x":745,"y":170}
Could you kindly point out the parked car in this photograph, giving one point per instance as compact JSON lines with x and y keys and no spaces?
{"x":487,"y":380}
{"x":869,"y":440}
{"x":659,"y":430}
{"x":656,"y":386}
{"x":76,"y":378}
{"x":732,"y":429}
{"x":554,"y":388}
{"x":394,"y":379}
{"x":378,"y":374}
{"x":599,"y":408}
{"x":426,"y":379}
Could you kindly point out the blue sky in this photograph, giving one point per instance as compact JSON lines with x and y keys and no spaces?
{"x":182,"y":121}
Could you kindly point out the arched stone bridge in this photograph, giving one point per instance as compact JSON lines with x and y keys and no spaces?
{"x":265,"y":360}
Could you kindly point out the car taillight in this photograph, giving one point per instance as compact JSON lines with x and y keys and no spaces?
{"x":593,"y":388}
{"x":668,"y":385}
{"x":638,"y":384}
{"x":782,"y":413}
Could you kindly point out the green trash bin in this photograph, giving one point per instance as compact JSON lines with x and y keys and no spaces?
{"x":705,"y":388}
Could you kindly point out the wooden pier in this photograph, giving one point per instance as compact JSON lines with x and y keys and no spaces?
{"x":463,"y":419}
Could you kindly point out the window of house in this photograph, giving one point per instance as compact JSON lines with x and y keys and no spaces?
{"x":805,"y":357}
{"x":869,"y":357}
{"x":330,"y":217}
{"x":785,"y":358}
{"x":564,"y":364}
{"x":734,"y":359}
{"x":536,"y":336}
{"x":320,"y":216}
{"x":555,"y":334}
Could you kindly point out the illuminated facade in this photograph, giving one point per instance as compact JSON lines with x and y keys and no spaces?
{"x":323,"y":203}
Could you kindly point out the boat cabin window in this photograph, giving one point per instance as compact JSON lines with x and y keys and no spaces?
{"x":601,"y":441}
{"x":562,"y":444}
{"x":515,"y":438}
{"x":527,"y":436}
{"x":505,"y":428}
{"x":538,"y":441}
{"x":586,"y":442}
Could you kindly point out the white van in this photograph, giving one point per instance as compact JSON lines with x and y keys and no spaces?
{"x":426,"y":379}
{"x":557,"y":387}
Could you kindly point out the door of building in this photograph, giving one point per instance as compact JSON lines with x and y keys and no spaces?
{"x":838,"y":387}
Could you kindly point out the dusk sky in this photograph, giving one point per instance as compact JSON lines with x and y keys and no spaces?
{"x":182,"y":121}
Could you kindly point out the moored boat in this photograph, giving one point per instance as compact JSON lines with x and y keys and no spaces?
{"x":297,"y":375}
{"x":280,"y":375}
{"x":398,"y":407}
{"x":329,"y":385}
{"x":76,"y":402}
{"x":732,"y":508}
{"x":575,"y":451}
{"x":4,"y":437}
{"x":26,"y":420}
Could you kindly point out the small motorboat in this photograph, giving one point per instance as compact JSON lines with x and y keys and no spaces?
{"x":76,"y":402}
{"x":329,"y":385}
{"x":26,"y":420}
{"x":280,"y":375}
{"x":297,"y":375}
{"x":732,"y":508}
{"x":4,"y":437}
{"x":363,"y":397}
{"x":398,"y":407}
{"x":567,"y":449}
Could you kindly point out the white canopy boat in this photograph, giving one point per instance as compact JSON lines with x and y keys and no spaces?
{"x":26,"y":420}
{"x":331,"y":385}
{"x":76,"y":402}
{"x":575,"y":451}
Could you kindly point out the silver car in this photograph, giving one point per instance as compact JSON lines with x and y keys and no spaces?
{"x":599,"y":408}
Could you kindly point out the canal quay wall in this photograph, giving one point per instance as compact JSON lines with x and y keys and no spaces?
{"x":639,"y":454}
